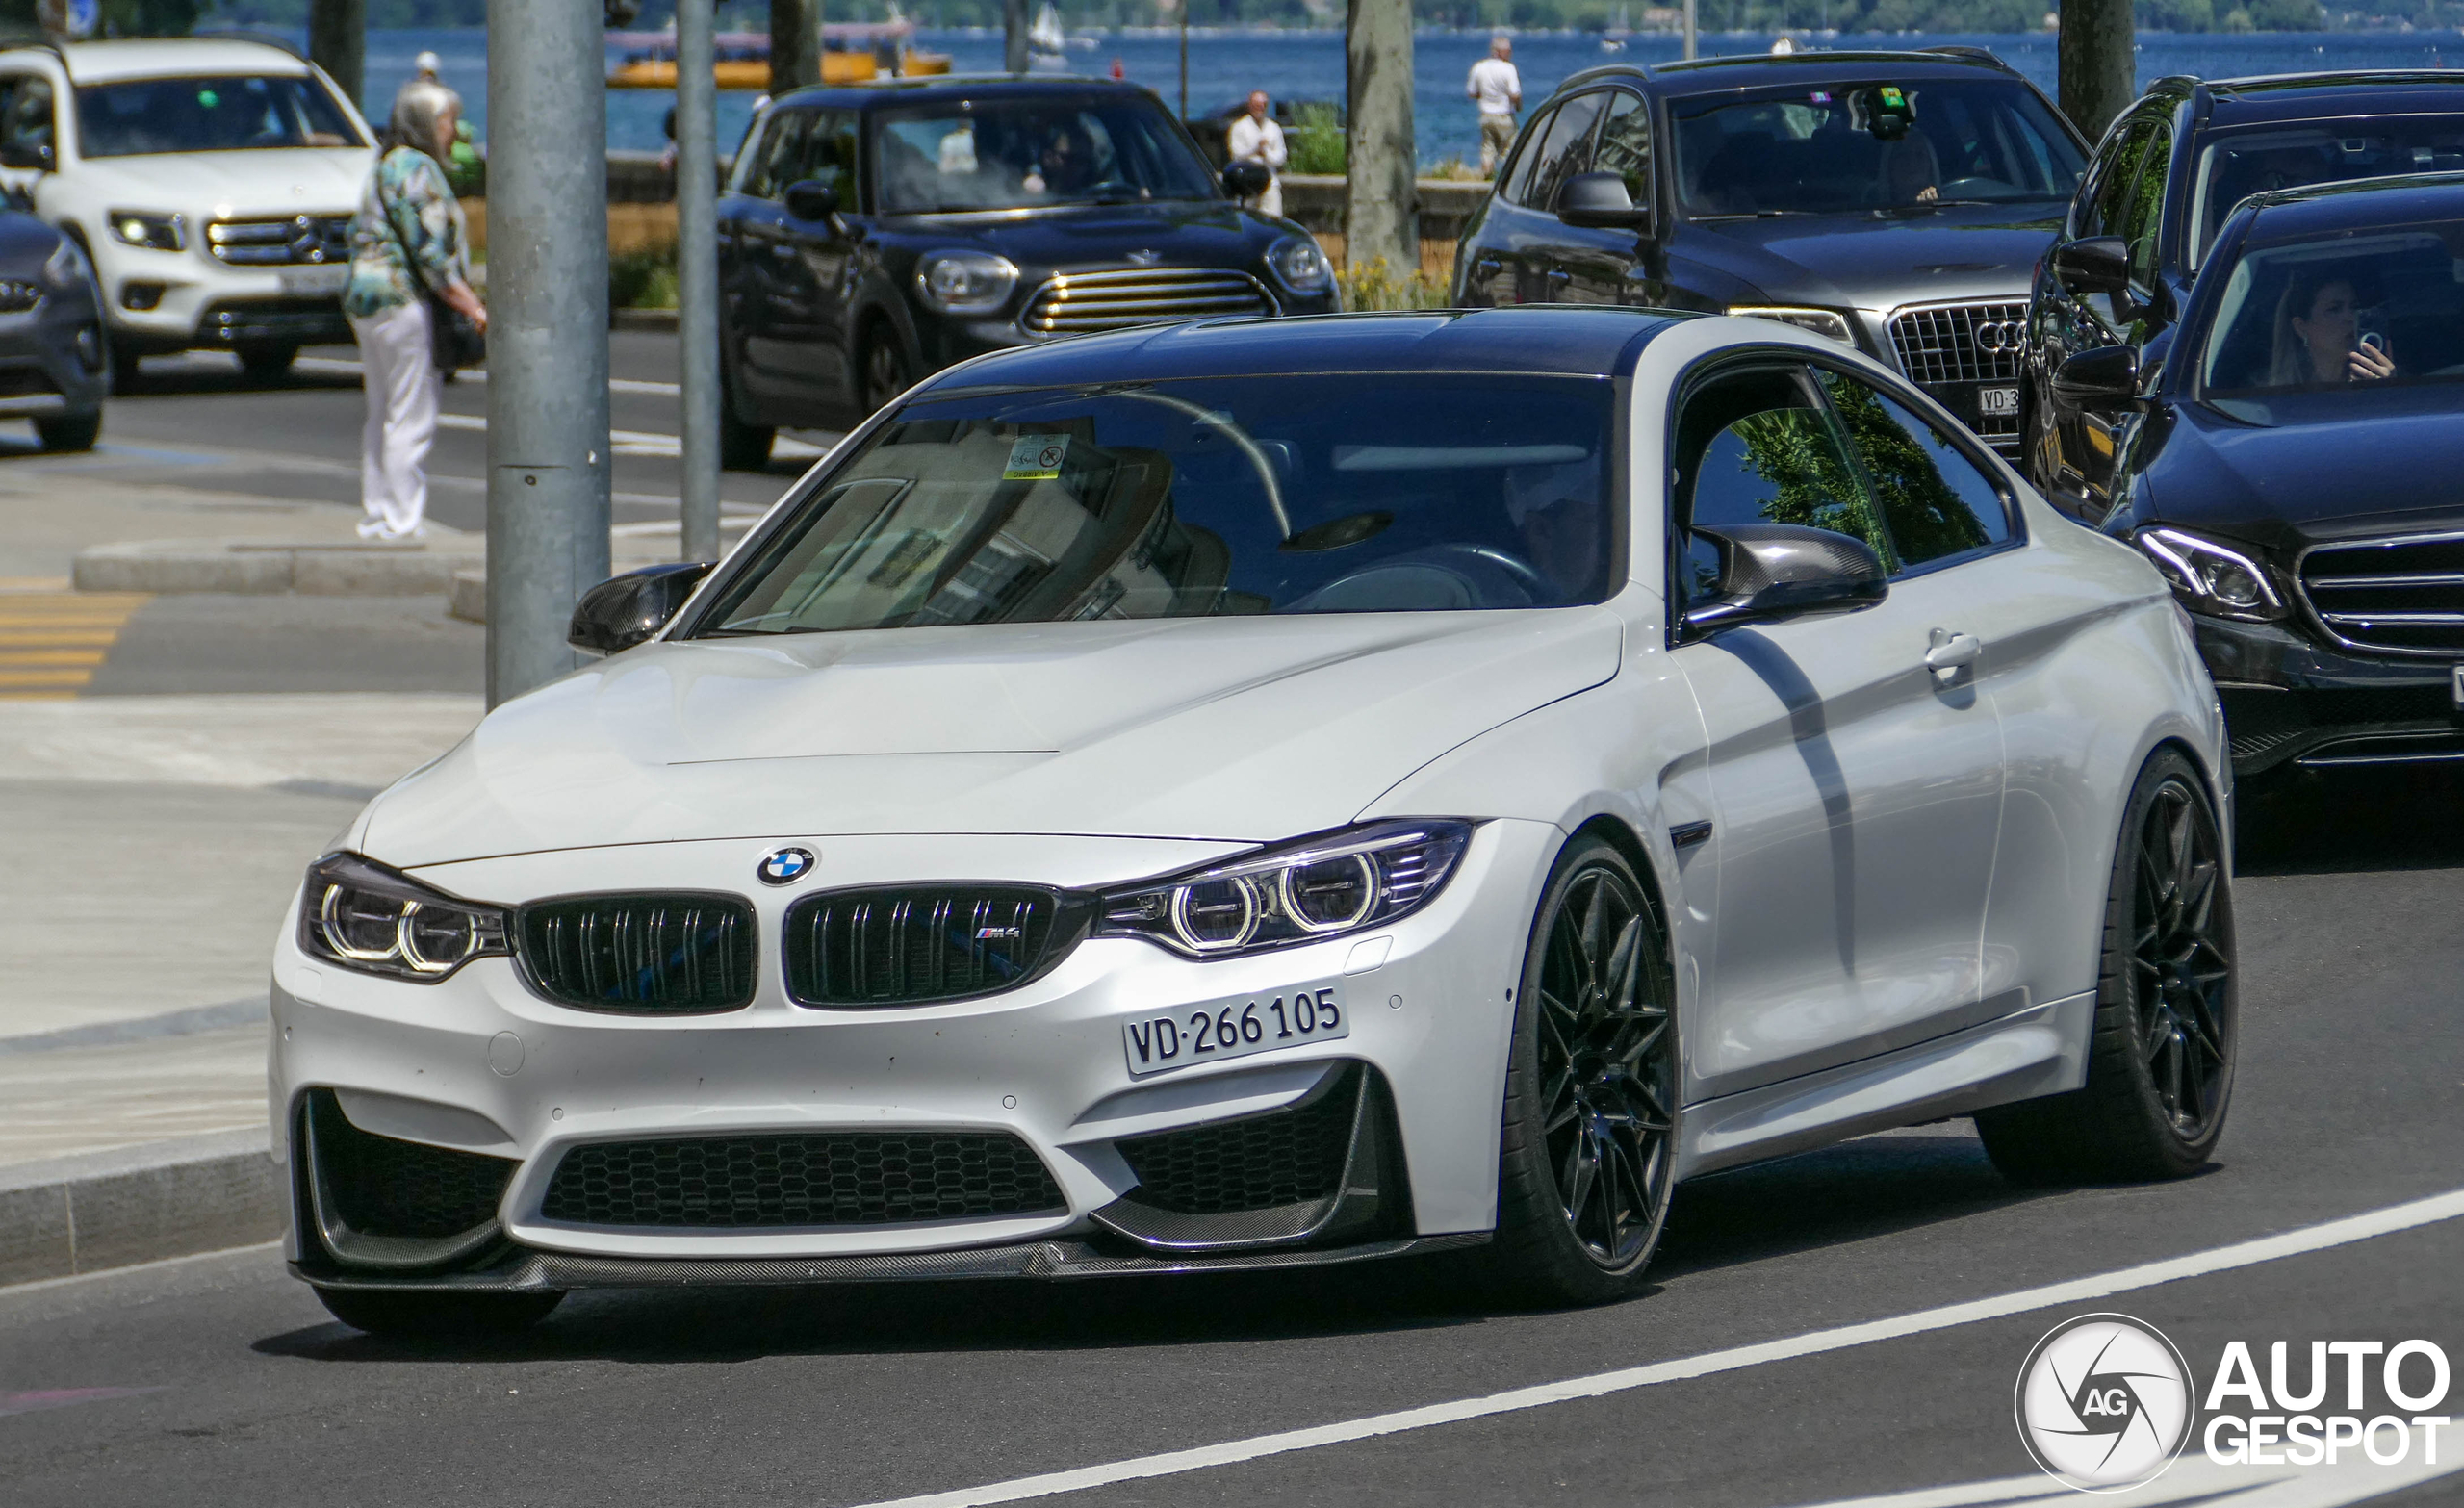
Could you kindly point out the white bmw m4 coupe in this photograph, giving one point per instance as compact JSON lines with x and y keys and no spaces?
{"x":1258,"y":794}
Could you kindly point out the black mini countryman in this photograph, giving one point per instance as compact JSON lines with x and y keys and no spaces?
{"x":871,"y":235}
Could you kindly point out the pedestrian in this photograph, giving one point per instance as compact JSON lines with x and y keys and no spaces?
{"x":1498,"y":89}
{"x":1256,"y":137}
{"x":409,"y":251}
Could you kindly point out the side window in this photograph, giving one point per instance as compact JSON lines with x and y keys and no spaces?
{"x":1515,"y":181}
{"x":1935,"y":501}
{"x":25,"y":119}
{"x":782,"y":159}
{"x":1626,"y":145}
{"x":2113,"y":181}
{"x":830,"y":153}
{"x":1758,"y":447}
{"x":2143,"y":209}
{"x":1566,"y":150}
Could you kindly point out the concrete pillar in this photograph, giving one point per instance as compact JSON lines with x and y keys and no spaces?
{"x":697,"y":277}
{"x":1014,"y":36}
{"x":1381,"y":215}
{"x":2098,"y":71}
{"x":548,"y":450}
{"x":338,"y":43}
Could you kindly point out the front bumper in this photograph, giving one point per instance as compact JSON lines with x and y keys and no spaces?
{"x":46,"y":369}
{"x":2289,"y":701}
{"x":479,"y":1064}
{"x":165,"y":302}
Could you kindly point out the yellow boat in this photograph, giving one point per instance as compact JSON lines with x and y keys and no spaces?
{"x":852,"y":54}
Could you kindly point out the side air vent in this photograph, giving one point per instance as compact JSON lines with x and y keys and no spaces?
{"x":641,"y":954}
{"x":921,"y":945}
{"x":382,"y":1202}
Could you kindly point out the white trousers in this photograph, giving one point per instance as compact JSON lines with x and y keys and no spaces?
{"x":398,"y":369}
{"x":1269,"y":202}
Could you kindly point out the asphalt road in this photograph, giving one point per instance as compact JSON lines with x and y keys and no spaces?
{"x":219,"y":1380}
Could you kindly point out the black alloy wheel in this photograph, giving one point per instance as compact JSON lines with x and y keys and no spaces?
{"x":2160,"y":1067}
{"x":885,"y":374}
{"x":742,"y":446}
{"x":1588,"y":1150}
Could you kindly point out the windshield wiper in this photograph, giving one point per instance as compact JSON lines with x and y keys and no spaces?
{"x":1755,"y":214}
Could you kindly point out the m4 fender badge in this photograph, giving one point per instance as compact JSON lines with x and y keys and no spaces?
{"x":784,"y":866}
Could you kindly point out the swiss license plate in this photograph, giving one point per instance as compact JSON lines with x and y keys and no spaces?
{"x":1998,"y":402}
{"x":1234,"y":1028}
{"x":315,"y":280}
{"x":2459,"y":688}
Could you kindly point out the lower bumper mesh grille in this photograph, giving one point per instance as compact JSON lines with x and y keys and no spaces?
{"x":1284,"y":1157}
{"x":834,"y":1178}
{"x":651,"y":955}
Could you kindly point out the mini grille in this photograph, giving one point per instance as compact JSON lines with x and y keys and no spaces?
{"x":16,"y":295}
{"x":845,"y":1177}
{"x":299,"y":241}
{"x":383,"y":1187}
{"x":653,"y":955}
{"x":2400,"y":596}
{"x":1283,"y":1156}
{"x":1964,"y":343}
{"x":905,"y":947}
{"x":1076,"y":303}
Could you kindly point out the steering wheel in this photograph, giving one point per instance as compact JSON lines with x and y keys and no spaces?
{"x":1436,"y":578}
{"x":1977,"y":186}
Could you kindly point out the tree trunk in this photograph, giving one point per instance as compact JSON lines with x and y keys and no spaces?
{"x":2099,"y":71}
{"x":338,"y":43}
{"x":1014,"y":36}
{"x":795,"y":44}
{"x":1381,"y":213}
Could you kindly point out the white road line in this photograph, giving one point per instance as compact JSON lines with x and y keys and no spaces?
{"x":40,"y":1285}
{"x":2197,"y":1479}
{"x":2222,"y":1259}
{"x":340,"y":367}
{"x":637,"y":442}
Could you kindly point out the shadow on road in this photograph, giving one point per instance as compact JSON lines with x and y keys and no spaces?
{"x":188,"y":376}
{"x":2348,"y":821}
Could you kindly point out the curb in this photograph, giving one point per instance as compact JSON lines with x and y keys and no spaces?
{"x":469,"y":601}
{"x":171,"y":567}
{"x":105,"y":1210}
{"x":642,"y":319}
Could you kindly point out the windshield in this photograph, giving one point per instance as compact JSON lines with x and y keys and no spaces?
{"x":1869,"y":146}
{"x":2239,"y":163}
{"x":220,"y":113}
{"x":1197,"y":498}
{"x":1006,"y":154}
{"x":2378,"y":306}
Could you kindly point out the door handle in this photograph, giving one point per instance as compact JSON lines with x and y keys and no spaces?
{"x":1951,"y":651}
{"x":1559,"y":275}
{"x":1486,"y":267}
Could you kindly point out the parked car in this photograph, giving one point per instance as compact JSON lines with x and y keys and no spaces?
{"x":1892,"y":201}
{"x":210,"y":183}
{"x":2291,"y":465}
{"x":873,"y":235}
{"x":55,"y":366}
{"x":2147,"y":215}
{"x":1261,"y":793}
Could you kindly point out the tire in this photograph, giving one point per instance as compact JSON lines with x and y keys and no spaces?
{"x":123,"y":369}
{"x":267,"y":364}
{"x":436,"y":1316}
{"x":70,"y":431}
{"x":882,"y":369}
{"x":742,"y":446}
{"x":1587,"y":1138}
{"x":2160,"y":1064}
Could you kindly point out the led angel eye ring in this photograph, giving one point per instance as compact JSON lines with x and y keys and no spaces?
{"x":1367,"y":895}
{"x":330,"y":924}
{"x":1244,"y":887}
{"x":407,"y":942}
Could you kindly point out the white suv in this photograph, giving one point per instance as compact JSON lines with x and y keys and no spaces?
{"x":211,"y":183}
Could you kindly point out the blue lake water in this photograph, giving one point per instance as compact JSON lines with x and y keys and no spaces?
{"x":1224,"y":66}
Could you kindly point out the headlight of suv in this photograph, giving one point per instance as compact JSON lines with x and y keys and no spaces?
{"x":1304,"y":892}
{"x":965,"y":282}
{"x":153,"y":232}
{"x":66,"y":266}
{"x":1821,"y":321}
{"x":2210,"y":578}
{"x":364,"y":916}
{"x":1300,"y":266}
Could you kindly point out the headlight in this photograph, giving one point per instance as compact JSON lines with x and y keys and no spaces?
{"x":66,"y":266}
{"x":1300,"y":265}
{"x":1821,"y":321}
{"x":2210,"y":578}
{"x":153,"y":232}
{"x":364,"y":916}
{"x":1305,"y":891}
{"x":966,"y":282}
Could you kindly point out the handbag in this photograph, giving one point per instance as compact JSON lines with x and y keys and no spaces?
{"x":454,"y":340}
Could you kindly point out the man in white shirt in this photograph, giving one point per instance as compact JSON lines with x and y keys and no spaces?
{"x":1256,"y":138}
{"x":1499,"y":91}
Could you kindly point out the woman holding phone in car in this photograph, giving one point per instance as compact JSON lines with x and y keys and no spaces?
{"x":2316,"y":324}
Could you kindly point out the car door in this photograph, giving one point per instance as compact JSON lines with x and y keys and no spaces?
{"x":1520,"y":234}
{"x":1857,"y":793}
{"x":811,"y":315}
{"x":2128,"y":202}
{"x":766,"y":301}
{"x":28,"y":137}
{"x":1605,"y":266}
{"x":1565,"y":152}
{"x":1492,"y":271}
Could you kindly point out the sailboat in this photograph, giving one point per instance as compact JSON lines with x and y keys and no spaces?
{"x":1045,"y":38}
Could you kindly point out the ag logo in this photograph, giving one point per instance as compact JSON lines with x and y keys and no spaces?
{"x":784,"y":866}
{"x":2104,"y":1403}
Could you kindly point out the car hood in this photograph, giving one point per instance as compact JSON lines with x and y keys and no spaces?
{"x":2325,"y":467}
{"x":305,"y":180}
{"x":1180,"y":232}
{"x":1860,"y":261}
{"x":1228,"y":728}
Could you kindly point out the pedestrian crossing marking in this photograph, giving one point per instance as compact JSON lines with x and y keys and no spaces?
{"x":52,"y":640}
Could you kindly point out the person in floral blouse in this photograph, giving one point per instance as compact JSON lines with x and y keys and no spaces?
{"x":409,"y":246}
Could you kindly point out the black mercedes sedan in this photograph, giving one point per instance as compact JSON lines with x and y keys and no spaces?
{"x":2291,"y":465}
{"x":55,"y":366}
{"x":870,"y":235}
{"x":1893,"y":201}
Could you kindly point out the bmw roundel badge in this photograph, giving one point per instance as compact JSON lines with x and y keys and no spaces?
{"x":784,"y":866}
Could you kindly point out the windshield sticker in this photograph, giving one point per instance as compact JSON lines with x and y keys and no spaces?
{"x":1036,"y":458}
